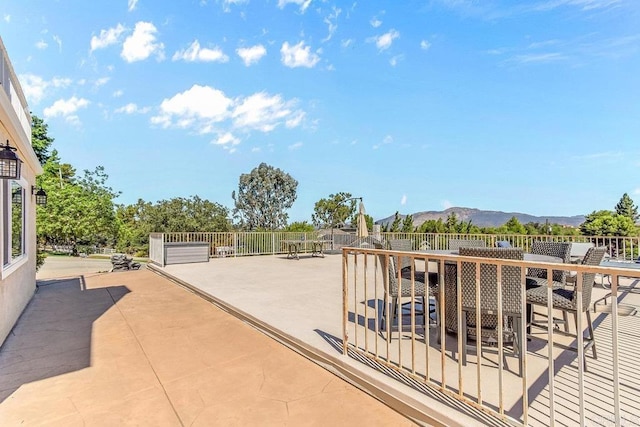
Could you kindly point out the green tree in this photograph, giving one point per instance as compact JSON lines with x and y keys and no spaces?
{"x":263,"y":197}
{"x":513,"y":226}
{"x":396,"y":224}
{"x":607,"y":223}
{"x":334,"y":210}
{"x":407,"y":224}
{"x":300,"y":227}
{"x":78,"y":211}
{"x":627,"y":208}
{"x":40,"y":140}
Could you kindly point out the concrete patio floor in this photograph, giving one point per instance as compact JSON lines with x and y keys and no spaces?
{"x":133,"y":348}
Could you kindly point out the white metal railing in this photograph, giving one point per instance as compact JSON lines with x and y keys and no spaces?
{"x":156,"y":248}
{"x":554,"y":386}
{"x":271,"y":243}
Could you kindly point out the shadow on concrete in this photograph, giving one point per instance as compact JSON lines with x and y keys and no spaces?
{"x":53,"y":335}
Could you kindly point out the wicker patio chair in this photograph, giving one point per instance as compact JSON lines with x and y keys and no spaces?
{"x":402,"y":289}
{"x":567,"y":299}
{"x":511,"y":300}
{"x":455,"y":244}
{"x":538,"y":276}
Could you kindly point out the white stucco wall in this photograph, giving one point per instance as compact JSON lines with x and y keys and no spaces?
{"x":17,"y":279}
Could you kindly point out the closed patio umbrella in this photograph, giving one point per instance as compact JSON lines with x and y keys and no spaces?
{"x":362,"y":223}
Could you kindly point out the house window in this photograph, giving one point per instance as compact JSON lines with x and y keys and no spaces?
{"x":14,"y":221}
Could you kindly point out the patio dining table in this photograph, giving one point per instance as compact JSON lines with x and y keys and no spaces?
{"x":294,"y":247}
{"x":450,"y":271}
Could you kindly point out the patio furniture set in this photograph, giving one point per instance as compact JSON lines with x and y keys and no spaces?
{"x":482,"y":305}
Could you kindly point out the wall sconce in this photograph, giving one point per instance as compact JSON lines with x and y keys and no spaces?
{"x":9,"y":163}
{"x":41,"y":196}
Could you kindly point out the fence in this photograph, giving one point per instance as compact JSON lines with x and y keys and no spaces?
{"x":417,"y":343}
{"x":272,"y":243}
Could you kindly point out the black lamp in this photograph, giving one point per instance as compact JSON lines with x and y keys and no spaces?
{"x":41,"y":196}
{"x":9,"y":163}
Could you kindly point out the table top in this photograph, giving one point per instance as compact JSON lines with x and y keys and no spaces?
{"x":620,"y":264}
{"x":527,"y":256}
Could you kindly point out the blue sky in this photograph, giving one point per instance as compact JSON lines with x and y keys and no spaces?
{"x":519,"y":106}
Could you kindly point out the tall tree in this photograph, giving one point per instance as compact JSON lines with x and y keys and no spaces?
{"x":263,"y":197}
{"x":407,"y":224}
{"x":607,"y":223}
{"x":334,"y":210}
{"x":627,"y":208}
{"x":80,"y":212}
{"x":40,"y":140}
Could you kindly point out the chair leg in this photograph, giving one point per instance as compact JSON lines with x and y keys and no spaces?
{"x":592,"y":337}
{"x":518,"y":344}
{"x":565,"y":318}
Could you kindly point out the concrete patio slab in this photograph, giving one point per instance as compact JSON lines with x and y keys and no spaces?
{"x":132,"y":348}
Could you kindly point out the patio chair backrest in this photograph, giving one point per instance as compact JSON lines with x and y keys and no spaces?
{"x":402,"y":245}
{"x":593,"y":257}
{"x":455,"y":244}
{"x":512,"y":287}
{"x":557,"y":249}
{"x":390,"y":263}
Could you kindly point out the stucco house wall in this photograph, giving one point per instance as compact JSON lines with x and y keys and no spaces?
{"x":17,"y":273}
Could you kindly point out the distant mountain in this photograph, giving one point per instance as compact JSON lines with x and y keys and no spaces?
{"x":487,"y":218}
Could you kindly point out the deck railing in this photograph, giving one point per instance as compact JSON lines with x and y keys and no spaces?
{"x":554,"y":387}
{"x":271,"y":243}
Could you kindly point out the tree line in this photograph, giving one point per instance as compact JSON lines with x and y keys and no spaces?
{"x":82,"y":212}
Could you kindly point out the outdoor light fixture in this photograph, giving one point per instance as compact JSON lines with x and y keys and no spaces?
{"x":9,"y":163}
{"x":41,"y":196}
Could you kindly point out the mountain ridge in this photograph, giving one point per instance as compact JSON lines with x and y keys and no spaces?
{"x":486,"y":218}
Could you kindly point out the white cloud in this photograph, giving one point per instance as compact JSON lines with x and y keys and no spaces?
{"x":251,"y":55}
{"x":107,"y":37}
{"x":205,"y":110}
{"x":332,"y":22}
{"x":581,"y":4}
{"x":636,"y":191}
{"x":101,"y":81}
{"x":403,"y":200}
{"x":298,"y":55}
{"x":226,"y":138}
{"x":132,"y":108}
{"x":295,"y":146}
{"x":7,"y":18}
{"x":394,"y":60}
{"x":384,"y":41}
{"x":118,"y":93}
{"x":227,"y":3}
{"x":200,"y":107}
{"x":142,"y":43}
{"x":58,"y":41}
{"x":35,"y":87}
{"x":262,"y":112}
{"x":304,"y":4}
{"x":295,"y":120}
{"x":132,"y":5}
{"x":346,"y":43}
{"x":375,"y":22}
{"x":537,"y":58}
{"x":195,"y":53}
{"x":388,"y":139}
{"x":41,"y":45}
{"x":425,"y":45}
{"x":446,"y":204}
{"x":66,"y":108}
